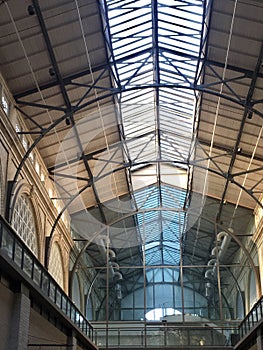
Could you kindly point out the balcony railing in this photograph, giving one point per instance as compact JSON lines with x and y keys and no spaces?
{"x":12,"y":247}
{"x":252,"y":318}
{"x":162,"y":335}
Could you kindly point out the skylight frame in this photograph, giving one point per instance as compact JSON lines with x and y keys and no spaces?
{"x":172,"y":59}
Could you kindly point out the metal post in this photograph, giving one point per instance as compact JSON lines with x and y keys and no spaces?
{"x":144,"y":284}
{"x":181,"y":267}
{"x":107,"y":290}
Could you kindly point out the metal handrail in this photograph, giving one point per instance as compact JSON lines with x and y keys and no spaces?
{"x":251,"y":319}
{"x":13,"y":246}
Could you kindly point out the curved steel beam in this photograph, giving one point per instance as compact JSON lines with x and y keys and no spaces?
{"x":30,"y":149}
{"x":114,"y":92}
{"x":125,"y":166}
{"x":222,"y":227}
{"x":193,"y":87}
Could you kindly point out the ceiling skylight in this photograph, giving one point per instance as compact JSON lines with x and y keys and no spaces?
{"x":155,"y":49}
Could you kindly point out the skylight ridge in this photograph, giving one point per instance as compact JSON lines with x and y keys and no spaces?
{"x":161,"y":47}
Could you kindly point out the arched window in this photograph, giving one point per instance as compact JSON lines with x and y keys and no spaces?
{"x":56,"y":264}
{"x":252,"y":290}
{"x":23,"y":222}
{"x":239,"y":306}
{"x":76,"y":291}
{"x":89,"y":308}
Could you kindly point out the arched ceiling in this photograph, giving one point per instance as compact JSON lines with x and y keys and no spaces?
{"x":141,"y":105}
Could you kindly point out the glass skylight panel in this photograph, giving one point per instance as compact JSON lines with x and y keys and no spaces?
{"x":137,"y":31}
{"x":176,"y":95}
{"x":147,"y":198}
{"x":179,"y":105}
{"x":151,"y":245}
{"x":133,"y":41}
{"x":177,"y":147}
{"x":169,"y":132}
{"x":136,"y":47}
{"x":155,"y":258}
{"x":136,"y":99}
{"x":188,"y":46}
{"x":140,"y":120}
{"x":157,"y":42}
{"x":132,"y":67}
{"x":171,"y":235}
{"x":159,"y":225}
{"x":173,"y":197}
{"x":171,"y":100}
{"x":184,"y":75}
{"x":142,"y":152}
{"x":169,"y":78}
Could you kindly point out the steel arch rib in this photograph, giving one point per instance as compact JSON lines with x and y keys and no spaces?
{"x":231,"y":234}
{"x":115,"y":92}
{"x":134,"y":213}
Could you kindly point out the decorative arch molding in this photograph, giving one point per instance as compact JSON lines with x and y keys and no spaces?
{"x":21,"y":189}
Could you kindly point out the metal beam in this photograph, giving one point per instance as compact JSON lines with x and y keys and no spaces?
{"x":41,"y":106}
{"x":51,"y":54}
{"x":241,"y":129}
{"x":69,"y":79}
{"x":67,"y":115}
{"x":66,"y":81}
{"x":69,"y":108}
{"x":30,"y":118}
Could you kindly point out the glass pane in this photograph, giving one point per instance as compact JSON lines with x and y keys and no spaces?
{"x":18,"y":254}
{"x":23,"y":222}
{"x":7,"y":243}
{"x":37,"y":274}
{"x":45,"y":283}
{"x":64,"y":304}
{"x":58,"y":298}
{"x":73,"y":313}
{"x":28,"y":264}
{"x":52,"y":290}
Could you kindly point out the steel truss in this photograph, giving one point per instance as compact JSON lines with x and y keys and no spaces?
{"x":164,"y":61}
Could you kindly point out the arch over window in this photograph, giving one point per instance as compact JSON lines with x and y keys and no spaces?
{"x":24,"y":223}
{"x":56,"y":264}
